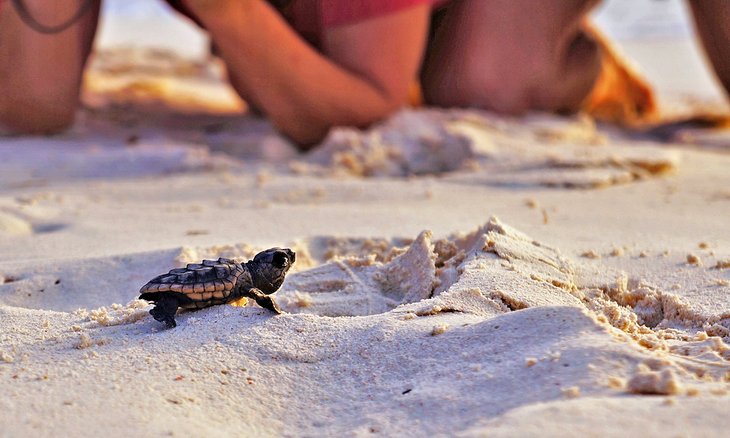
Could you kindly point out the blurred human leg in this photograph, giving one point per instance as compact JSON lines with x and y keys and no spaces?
{"x":511,"y":56}
{"x":712,"y":18}
{"x":40,"y":74}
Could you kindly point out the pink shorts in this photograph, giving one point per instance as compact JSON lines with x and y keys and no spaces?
{"x":311,"y":17}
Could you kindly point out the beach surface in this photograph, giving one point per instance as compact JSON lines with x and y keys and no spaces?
{"x":458,"y":273}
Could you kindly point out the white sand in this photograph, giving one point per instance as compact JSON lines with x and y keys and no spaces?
{"x":412,"y":309}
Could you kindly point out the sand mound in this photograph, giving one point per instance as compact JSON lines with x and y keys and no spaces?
{"x":12,"y":225}
{"x":461,"y":318}
{"x":411,"y":143}
{"x":501,"y":151}
{"x":363,"y":286}
{"x":498,"y":269}
{"x":493,"y":270}
{"x":700,"y":416}
{"x":501,"y":263}
{"x":260,"y":360}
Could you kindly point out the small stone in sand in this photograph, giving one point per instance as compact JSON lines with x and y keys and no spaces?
{"x":616,"y":382}
{"x":591,"y":254}
{"x":571,"y":392}
{"x":555,"y":356}
{"x":262,"y":178}
{"x":530,"y":361}
{"x":439,"y":329}
{"x":435,"y":310}
{"x":692,"y":259}
{"x":300,"y":196}
{"x":7,"y":279}
{"x":646,"y":381}
{"x":723,"y":264}
{"x":531,"y":203}
{"x":260,"y":203}
{"x":116,"y":314}
{"x":616,"y":252}
{"x":12,"y":225}
{"x":703,"y":245}
{"x":693,"y":392}
{"x":196,"y":232}
{"x":7,"y":357}
{"x":302,"y":299}
{"x":83,"y":342}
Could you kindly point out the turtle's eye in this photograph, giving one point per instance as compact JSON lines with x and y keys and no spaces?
{"x":280,"y":259}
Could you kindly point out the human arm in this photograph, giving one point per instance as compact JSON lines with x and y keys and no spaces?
{"x":362,"y":74}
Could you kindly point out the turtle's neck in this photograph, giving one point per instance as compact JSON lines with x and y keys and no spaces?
{"x":259,"y":279}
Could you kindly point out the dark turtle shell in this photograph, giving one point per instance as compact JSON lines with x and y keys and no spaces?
{"x":207,"y":283}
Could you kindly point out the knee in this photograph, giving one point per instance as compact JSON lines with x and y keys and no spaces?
{"x":483,"y":86}
{"x":557,"y":77}
{"x":475,"y":85}
{"x":30,"y":114}
{"x":567,"y":83}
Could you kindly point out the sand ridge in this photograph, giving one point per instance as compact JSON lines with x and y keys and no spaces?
{"x":508,"y":287}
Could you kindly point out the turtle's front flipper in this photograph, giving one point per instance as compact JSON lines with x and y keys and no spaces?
{"x":264,"y":300}
{"x":165,"y":309}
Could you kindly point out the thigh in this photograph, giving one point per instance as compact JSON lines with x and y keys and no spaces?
{"x":40,"y":74}
{"x":712,"y":21}
{"x":510,"y":55}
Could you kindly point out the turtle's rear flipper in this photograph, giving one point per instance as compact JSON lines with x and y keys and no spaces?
{"x":164,"y":310}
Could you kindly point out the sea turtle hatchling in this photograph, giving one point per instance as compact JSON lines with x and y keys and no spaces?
{"x":219,"y":281}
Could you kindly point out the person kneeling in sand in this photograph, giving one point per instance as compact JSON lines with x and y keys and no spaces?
{"x":309,"y":65}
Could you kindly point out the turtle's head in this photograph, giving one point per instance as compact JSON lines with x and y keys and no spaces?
{"x":269,"y":268}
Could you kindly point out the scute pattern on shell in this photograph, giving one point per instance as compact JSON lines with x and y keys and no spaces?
{"x":201,"y":282}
